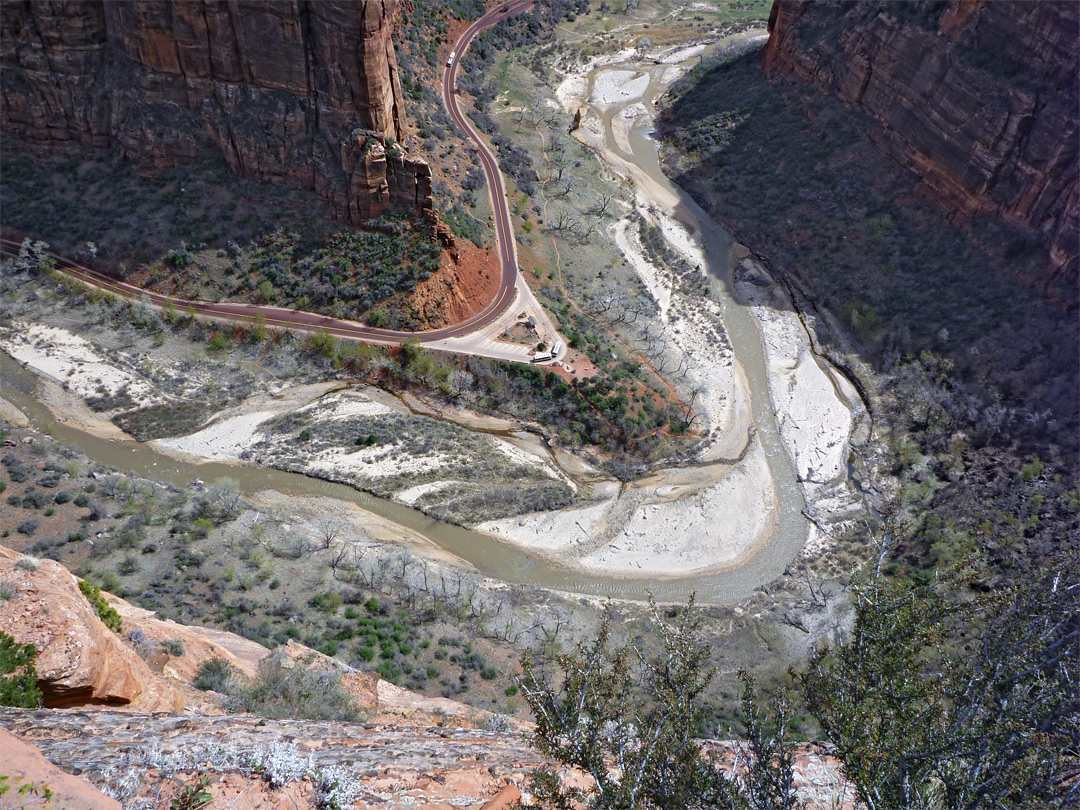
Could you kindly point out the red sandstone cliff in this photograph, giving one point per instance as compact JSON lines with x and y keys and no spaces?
{"x":304,"y":92}
{"x":980,"y":97}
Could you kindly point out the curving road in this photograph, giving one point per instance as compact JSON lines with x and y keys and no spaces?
{"x":467,"y":337}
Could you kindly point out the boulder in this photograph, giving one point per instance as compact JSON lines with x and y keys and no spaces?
{"x":80,"y":661}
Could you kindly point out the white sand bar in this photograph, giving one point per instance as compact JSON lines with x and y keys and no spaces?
{"x":611,"y":87}
{"x":71,"y":361}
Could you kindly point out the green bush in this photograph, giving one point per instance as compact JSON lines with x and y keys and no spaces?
{"x":173,"y":646}
{"x":294,"y":692}
{"x":213,"y":676}
{"x":18,"y":689}
{"x":106,"y":612}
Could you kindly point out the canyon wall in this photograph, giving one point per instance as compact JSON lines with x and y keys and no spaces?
{"x":979,"y":97}
{"x":304,"y":92}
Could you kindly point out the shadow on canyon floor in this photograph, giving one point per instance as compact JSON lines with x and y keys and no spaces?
{"x":795,"y":175}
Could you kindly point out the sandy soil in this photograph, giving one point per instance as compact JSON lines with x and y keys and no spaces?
{"x":309,"y":512}
{"x":623,"y":122}
{"x":411,"y":495}
{"x":618,"y":87}
{"x":67,"y":407}
{"x":817,"y":406}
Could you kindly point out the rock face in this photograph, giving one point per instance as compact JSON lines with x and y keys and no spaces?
{"x":304,"y":92}
{"x":979,"y":97}
{"x":80,"y":661}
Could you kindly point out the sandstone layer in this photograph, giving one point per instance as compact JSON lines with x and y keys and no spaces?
{"x":301,"y":92}
{"x":979,"y":98}
{"x":80,"y":661}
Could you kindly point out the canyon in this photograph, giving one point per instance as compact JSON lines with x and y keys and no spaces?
{"x":304,"y":93}
{"x":789,"y":464}
{"x":978,"y":99}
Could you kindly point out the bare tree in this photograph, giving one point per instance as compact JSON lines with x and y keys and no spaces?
{"x":565,"y":221}
{"x":328,"y":533}
{"x":224,"y":495}
{"x":343,"y":558}
{"x":603,"y":200}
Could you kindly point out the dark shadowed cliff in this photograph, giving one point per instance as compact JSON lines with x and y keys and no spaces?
{"x":300,"y":92}
{"x":979,"y":98}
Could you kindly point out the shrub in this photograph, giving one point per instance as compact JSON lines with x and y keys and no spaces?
{"x":173,"y":646}
{"x":17,"y":471}
{"x":144,"y":645}
{"x":295,"y":692}
{"x":28,"y":526}
{"x":213,"y":676}
{"x":106,"y":612}
{"x":497,"y":722}
{"x":18,"y":688}
{"x":34,"y":499}
{"x":27,"y":563}
{"x":219,"y":342}
{"x":179,"y":258}
{"x":327,"y":602}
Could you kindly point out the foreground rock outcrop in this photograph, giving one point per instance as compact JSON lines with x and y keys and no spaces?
{"x":412,"y":751}
{"x":304,"y":92}
{"x":80,"y":661}
{"x":253,"y":762}
{"x":979,"y":98}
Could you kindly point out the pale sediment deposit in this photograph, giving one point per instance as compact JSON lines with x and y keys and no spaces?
{"x":676,"y":523}
{"x":818,"y":407}
{"x":72,"y":372}
{"x":232,"y":433}
{"x":71,"y":361}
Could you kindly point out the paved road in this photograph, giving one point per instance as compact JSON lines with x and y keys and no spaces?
{"x":468,"y":336}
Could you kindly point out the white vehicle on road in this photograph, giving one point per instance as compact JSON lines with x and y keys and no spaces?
{"x":450,"y":61}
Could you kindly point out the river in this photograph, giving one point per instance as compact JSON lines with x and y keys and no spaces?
{"x":491,"y":556}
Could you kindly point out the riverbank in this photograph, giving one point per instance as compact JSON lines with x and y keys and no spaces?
{"x":817,"y":410}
